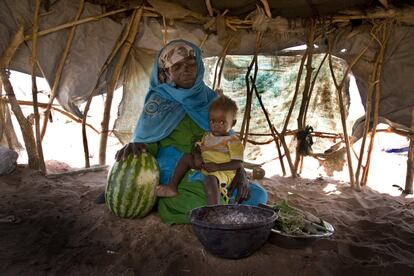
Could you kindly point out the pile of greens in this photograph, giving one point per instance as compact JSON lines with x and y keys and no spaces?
{"x":296,"y":222}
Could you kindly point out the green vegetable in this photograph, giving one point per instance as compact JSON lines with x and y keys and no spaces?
{"x":290,"y":221}
{"x":297,"y":222}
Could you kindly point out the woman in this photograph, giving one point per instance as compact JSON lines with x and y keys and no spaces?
{"x":175,"y":116}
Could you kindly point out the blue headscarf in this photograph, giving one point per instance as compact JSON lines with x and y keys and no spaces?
{"x":166,"y":105}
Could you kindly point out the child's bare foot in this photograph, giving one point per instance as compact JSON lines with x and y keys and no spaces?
{"x":165,"y":191}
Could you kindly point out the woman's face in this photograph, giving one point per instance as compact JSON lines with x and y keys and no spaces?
{"x":183,"y":73}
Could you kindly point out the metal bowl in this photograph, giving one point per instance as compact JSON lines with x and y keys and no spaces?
{"x":299,"y":241}
{"x":232,"y":231}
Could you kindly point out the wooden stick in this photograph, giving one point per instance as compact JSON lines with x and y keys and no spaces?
{"x":275,"y":134}
{"x":249,"y":102}
{"x":67,"y":114}
{"x":384,"y":3}
{"x":295,"y":95}
{"x":410,"y":160}
{"x":25,"y":126}
{"x":249,"y":91}
{"x":223,"y":60}
{"x":42,"y":166}
{"x":6,"y":125}
{"x":372,"y":83}
{"x":385,"y":36}
{"x":5,"y":59}
{"x":164,"y":31}
{"x":319,"y":134}
{"x":94,"y":90}
{"x":378,"y":15}
{"x":203,"y":41}
{"x":78,"y":22}
{"x":313,"y":84}
{"x":292,"y":105}
{"x":266,"y":8}
{"x":124,"y":51}
{"x":60,"y":70}
{"x":216,"y":72}
{"x":306,"y":92}
{"x":243,"y":126}
{"x":15,"y":42}
{"x":78,"y":171}
{"x":209,"y":8}
{"x":343,"y":119}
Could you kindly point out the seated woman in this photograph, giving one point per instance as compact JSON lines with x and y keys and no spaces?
{"x":174,"y":117}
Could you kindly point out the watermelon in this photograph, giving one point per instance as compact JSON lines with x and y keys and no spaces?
{"x":130,"y":188}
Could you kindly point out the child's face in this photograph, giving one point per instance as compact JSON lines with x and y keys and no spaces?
{"x":220,"y":122}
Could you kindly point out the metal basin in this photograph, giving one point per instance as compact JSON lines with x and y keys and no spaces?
{"x":298,"y":241}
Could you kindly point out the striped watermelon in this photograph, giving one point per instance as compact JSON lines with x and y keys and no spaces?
{"x":130,"y":188}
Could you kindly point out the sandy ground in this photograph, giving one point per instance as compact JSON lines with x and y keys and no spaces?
{"x":52,"y":227}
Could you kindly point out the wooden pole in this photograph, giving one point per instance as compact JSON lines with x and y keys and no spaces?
{"x":25,"y":126}
{"x":410,"y":160}
{"x":384,"y":32}
{"x":243,"y":125}
{"x":42,"y":166}
{"x":164,"y":31}
{"x":78,"y":22}
{"x":223,"y":60}
{"x":344,"y":127}
{"x":266,"y":8}
{"x":292,"y":105}
{"x":94,"y":90}
{"x":65,"y":113}
{"x":306,"y":90}
{"x":295,"y":95}
{"x":274,"y":132}
{"x":15,"y":42}
{"x":203,"y":41}
{"x":372,"y":82}
{"x":249,"y":90}
{"x":209,"y":8}
{"x":60,"y":70}
{"x":249,"y":102}
{"x":339,"y":88}
{"x":124,"y":51}
{"x":313,"y":85}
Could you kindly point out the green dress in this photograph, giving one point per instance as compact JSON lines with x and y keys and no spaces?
{"x":175,"y":210}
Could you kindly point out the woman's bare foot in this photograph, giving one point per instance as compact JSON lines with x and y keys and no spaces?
{"x":165,"y":191}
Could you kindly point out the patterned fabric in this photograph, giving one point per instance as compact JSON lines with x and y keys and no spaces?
{"x":221,"y":149}
{"x":173,"y":53}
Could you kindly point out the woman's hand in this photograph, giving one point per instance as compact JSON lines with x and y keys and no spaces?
{"x":241,"y":182}
{"x":131,"y":148}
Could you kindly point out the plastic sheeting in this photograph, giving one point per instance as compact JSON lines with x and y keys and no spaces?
{"x":91,"y":45}
{"x":94,"y":41}
{"x":397,"y":87}
{"x":136,"y":82}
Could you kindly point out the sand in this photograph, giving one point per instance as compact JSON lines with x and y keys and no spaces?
{"x":52,"y":227}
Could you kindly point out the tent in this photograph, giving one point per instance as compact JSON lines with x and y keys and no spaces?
{"x":88,"y":48}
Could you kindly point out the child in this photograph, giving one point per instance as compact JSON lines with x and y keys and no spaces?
{"x":218,"y":154}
